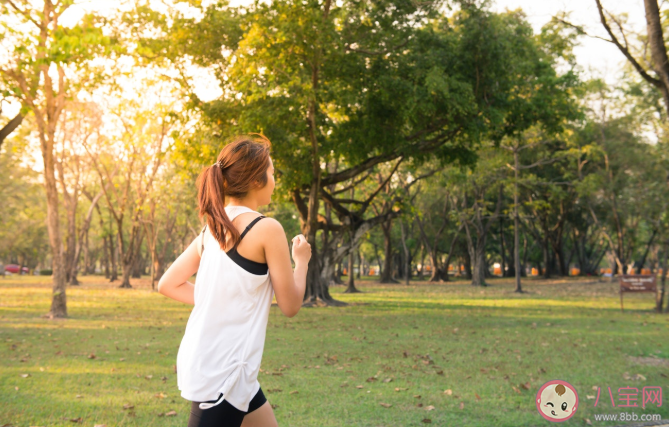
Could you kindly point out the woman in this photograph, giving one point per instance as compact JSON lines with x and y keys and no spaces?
{"x":242,"y":260}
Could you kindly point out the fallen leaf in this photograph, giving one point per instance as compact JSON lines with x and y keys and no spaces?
{"x":386,"y":405}
{"x":462,"y":405}
{"x":370,"y":379}
{"x":148,"y":377}
{"x":427,"y":420}
{"x":171,"y":414}
{"x":25,"y":375}
{"x":515,"y":389}
{"x":100,"y":425}
{"x":387,"y":380}
{"x":91,"y":356}
{"x":417,"y":396}
{"x":420,"y":405}
{"x":477,"y":396}
{"x":294,"y":392}
{"x":79,"y":396}
{"x":358,"y":386}
{"x":587,"y":421}
{"x":77,"y":420}
{"x":160,"y":395}
{"x":526,"y":385}
{"x":590,"y":397}
{"x":128,"y":406}
{"x":448,"y":392}
{"x":429,"y":408}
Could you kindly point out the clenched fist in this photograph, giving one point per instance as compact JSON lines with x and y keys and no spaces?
{"x":301,"y":249}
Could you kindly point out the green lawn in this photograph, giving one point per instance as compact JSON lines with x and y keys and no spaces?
{"x":384,"y":360}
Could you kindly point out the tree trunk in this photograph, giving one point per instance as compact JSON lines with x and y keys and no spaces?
{"x":387,"y":270}
{"x":58,"y":300}
{"x":658,"y":47}
{"x":516,"y":226}
{"x":478,"y":265}
{"x":502,"y":251}
{"x":663,"y":280}
{"x":407,"y":255}
{"x":547,"y":260}
{"x":351,"y":289}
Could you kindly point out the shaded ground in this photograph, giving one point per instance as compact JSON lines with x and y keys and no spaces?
{"x":477,"y":356}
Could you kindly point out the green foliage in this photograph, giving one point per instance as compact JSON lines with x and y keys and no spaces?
{"x":23,"y":234}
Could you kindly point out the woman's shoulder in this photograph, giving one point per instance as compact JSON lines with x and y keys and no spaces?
{"x":268,"y":230}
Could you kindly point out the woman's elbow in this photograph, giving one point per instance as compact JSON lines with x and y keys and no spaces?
{"x":294,"y":311}
{"x":161,"y":286}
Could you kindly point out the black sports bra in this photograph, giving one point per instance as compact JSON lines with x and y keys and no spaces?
{"x":253,"y":267}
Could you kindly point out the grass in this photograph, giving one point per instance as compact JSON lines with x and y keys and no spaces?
{"x":336,"y":366}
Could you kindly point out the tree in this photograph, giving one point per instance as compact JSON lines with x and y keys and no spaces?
{"x":48,"y":65}
{"x":137,"y":155}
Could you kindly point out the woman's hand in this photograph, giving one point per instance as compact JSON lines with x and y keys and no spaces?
{"x":301,"y":250}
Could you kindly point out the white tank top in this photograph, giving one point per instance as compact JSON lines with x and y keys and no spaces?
{"x":222,"y":346}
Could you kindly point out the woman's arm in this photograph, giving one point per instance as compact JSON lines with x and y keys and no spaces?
{"x":289,"y":285}
{"x":174,"y":283}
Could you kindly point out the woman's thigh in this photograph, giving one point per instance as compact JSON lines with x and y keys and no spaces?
{"x":261,"y":417}
{"x":221,"y":415}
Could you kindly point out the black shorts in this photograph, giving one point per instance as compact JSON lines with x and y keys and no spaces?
{"x":223,"y":414}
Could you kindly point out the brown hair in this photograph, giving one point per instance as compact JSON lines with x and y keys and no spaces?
{"x":240,"y":166}
{"x":560,"y":390}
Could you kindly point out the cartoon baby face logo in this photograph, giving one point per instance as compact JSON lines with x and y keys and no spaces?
{"x":557,"y":401}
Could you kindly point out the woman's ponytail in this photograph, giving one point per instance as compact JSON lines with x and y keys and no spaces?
{"x":241,"y":166}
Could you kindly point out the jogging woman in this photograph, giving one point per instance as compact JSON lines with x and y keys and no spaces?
{"x":242,"y":260}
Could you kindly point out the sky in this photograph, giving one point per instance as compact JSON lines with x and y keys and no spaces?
{"x":595,"y":57}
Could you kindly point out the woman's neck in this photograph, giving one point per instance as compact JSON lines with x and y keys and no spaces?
{"x":243,"y":202}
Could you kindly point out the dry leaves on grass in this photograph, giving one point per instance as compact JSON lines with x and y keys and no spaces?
{"x":635,"y":377}
{"x":128,"y":406}
{"x":168,"y":414}
{"x":426,"y":420}
{"x":448,"y":392}
{"x":160,"y":395}
{"x":386,"y":405}
{"x":429,"y":408}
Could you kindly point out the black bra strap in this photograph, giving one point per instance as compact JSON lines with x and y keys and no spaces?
{"x":246,"y":230}
{"x":248,"y":227}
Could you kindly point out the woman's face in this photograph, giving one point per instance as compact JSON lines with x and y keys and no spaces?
{"x":265,"y":193}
